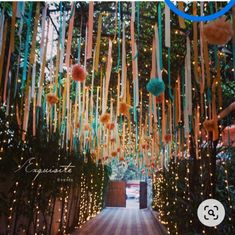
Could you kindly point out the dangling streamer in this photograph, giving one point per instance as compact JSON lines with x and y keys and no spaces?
{"x":62,"y":46}
{"x":233,"y":11}
{"x":90,"y":29}
{"x":159,"y":37}
{"x":124,"y":67}
{"x":202,"y":83}
{"x":2,"y":56}
{"x":20,"y":14}
{"x":11,"y":48}
{"x":2,"y":23}
{"x":108,"y":73}
{"x":195,"y":44}
{"x":26,"y":114}
{"x":159,"y":73}
{"x":188,"y":80}
{"x":119,"y":35}
{"x":27,"y":45}
{"x":181,"y":20}
{"x":97,"y":52}
{"x":42,"y":70}
{"x":167,"y":26}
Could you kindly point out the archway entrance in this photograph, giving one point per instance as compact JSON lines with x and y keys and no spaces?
{"x":130,"y":194}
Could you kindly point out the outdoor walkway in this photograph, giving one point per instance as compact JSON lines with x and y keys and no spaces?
{"x":122,"y":221}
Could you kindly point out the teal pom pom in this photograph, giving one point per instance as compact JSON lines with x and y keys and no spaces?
{"x":155,"y":86}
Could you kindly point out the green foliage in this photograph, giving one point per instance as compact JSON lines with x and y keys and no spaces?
{"x":178,"y":192}
{"x":85,"y":187}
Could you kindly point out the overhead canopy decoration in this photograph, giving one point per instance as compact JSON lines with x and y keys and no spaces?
{"x":116,"y":81}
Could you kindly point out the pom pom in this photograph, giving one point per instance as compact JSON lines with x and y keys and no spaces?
{"x":52,"y":98}
{"x":121,"y":159}
{"x":218,"y":32}
{"x":124,"y":108}
{"x":155,"y":86}
{"x":118,"y":149}
{"x":112,"y":140}
{"x":113,"y":153}
{"x":77,"y":125}
{"x":110,"y":126}
{"x":104,"y":118}
{"x":167,"y":138}
{"x":78,"y":73}
{"x":210,"y":125}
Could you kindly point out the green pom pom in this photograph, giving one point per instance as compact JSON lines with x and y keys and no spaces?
{"x":155,"y":86}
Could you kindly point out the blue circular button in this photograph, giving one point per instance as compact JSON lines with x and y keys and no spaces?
{"x":200,"y":18}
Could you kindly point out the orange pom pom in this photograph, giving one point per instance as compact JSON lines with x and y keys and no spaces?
{"x":118,"y":150}
{"x":52,"y":98}
{"x":112,"y":140}
{"x":77,"y":125}
{"x":113,"y":153}
{"x":110,"y":126}
{"x":121,"y":159}
{"x":218,"y":32}
{"x":79,"y":73}
{"x":104,"y":118}
{"x":124,"y":108}
{"x":167,"y":138}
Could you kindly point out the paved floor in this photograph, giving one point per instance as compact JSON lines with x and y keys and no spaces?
{"x":122,"y":221}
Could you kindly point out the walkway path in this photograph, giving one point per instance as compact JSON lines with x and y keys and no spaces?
{"x":122,"y":221}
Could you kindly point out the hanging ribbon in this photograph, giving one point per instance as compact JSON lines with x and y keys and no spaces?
{"x":167,"y":26}
{"x":108,"y":73}
{"x":188,"y":80}
{"x":11,"y":48}
{"x":195,"y":44}
{"x":98,"y":39}
{"x":90,"y":30}
{"x":181,"y":20}
{"x":233,"y":15}
{"x":159,"y":37}
{"x":28,"y":22}
{"x":124,"y":67}
{"x":2,"y":56}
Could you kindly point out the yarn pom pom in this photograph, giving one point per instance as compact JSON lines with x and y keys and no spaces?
{"x":167,"y":138}
{"x":113,"y":153}
{"x":104,"y":118}
{"x":52,"y":98}
{"x":122,"y":159}
{"x":218,"y":32}
{"x":110,"y":126}
{"x":155,"y":86}
{"x":210,"y":125}
{"x":77,"y":125}
{"x":124,"y":108}
{"x":78,"y":73}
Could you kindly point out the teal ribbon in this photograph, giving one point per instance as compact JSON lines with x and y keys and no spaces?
{"x":26,"y":52}
{"x":160,"y":35}
{"x":208,"y":95}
